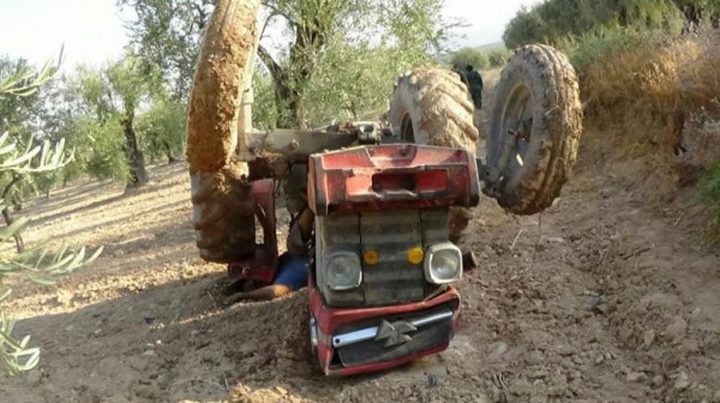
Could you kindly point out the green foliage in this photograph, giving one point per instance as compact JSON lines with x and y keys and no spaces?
{"x":470,"y":56}
{"x":710,"y":197}
{"x":554,"y":20}
{"x":312,"y":77}
{"x":36,"y":263}
{"x":102,"y":124}
{"x":356,"y":74}
{"x":265,"y":112}
{"x":167,"y":34}
{"x":527,"y":27}
{"x":498,"y":57}
{"x":26,"y":81}
{"x":100,"y":148}
{"x":23,"y":116}
{"x":604,"y":42}
{"x":161,"y":129}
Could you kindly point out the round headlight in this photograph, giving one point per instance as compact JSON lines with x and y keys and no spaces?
{"x":443,"y":263}
{"x":343,"y":271}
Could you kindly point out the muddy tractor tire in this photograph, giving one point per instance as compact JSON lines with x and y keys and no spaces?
{"x":223,"y":213}
{"x":535,"y":127}
{"x":432,"y":106}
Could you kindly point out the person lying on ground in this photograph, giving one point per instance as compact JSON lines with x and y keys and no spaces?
{"x":293,"y":266}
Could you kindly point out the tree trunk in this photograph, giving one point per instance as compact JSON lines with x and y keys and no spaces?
{"x":289,"y":104}
{"x":168,"y":153}
{"x":19,"y":243}
{"x":292,"y":78}
{"x":136,"y":161}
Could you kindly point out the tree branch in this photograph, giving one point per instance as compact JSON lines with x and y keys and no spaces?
{"x":270,"y":17}
{"x":275,"y":12}
{"x":275,"y":70}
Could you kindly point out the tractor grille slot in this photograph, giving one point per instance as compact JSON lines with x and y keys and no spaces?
{"x":393,"y":280}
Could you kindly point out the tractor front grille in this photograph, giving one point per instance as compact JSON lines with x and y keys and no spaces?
{"x":378,"y":349}
{"x":393,"y":280}
{"x":391,"y":233}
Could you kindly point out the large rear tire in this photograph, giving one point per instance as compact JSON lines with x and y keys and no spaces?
{"x":431,"y":106}
{"x":535,"y":127}
{"x":223,"y":212}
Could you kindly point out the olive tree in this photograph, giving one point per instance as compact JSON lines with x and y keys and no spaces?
{"x":111,"y":100}
{"x":38,"y":263}
{"x":325,"y":44}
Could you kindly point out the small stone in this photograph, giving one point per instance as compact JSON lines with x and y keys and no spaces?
{"x":658,"y":380}
{"x":565,"y":351}
{"x":436,"y":375}
{"x":599,"y":360}
{"x":635,"y":377}
{"x":34,"y":377}
{"x":690,"y":346}
{"x":538,"y":374}
{"x":97,"y":332}
{"x":281,"y":391}
{"x":139,"y":364}
{"x":682,"y":382}
{"x":675,"y":331}
{"x":497,"y":349}
{"x":521,"y":387}
{"x":648,"y":338}
{"x":64,"y":297}
{"x":149,"y":353}
{"x":434,"y":380}
{"x":534,"y":357}
{"x":558,"y":385}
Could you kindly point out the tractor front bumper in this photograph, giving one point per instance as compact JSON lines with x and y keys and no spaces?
{"x":349,"y":341}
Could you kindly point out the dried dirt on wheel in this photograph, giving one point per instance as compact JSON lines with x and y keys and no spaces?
{"x":610,"y":295}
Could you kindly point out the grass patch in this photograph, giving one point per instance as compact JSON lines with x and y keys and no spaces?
{"x":710,"y":197}
{"x":642,"y":80}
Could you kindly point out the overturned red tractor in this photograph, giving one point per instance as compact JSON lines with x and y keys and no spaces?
{"x":389,"y":199}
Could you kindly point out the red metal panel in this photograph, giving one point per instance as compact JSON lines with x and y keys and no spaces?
{"x":392,"y":176}
{"x":329,"y":319}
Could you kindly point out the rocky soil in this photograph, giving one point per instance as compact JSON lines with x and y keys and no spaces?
{"x":610,"y":295}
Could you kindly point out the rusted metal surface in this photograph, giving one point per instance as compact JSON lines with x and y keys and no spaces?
{"x":297,"y":145}
{"x":392,"y":176}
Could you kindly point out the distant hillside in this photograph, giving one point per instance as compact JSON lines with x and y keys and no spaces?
{"x":491,"y":46}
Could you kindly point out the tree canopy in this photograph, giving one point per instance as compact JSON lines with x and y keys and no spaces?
{"x":346,"y":46}
{"x":554,"y":19}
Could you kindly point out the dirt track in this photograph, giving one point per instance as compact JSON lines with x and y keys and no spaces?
{"x":608,"y":296}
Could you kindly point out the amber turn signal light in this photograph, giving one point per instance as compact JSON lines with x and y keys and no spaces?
{"x":371,"y":257}
{"x":415,"y":255}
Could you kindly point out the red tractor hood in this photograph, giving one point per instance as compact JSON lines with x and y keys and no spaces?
{"x":392,"y":176}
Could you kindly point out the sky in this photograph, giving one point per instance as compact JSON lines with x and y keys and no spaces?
{"x":486,"y":19}
{"x":92,"y":31}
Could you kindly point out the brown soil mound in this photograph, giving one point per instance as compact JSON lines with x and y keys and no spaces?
{"x":607,"y":296}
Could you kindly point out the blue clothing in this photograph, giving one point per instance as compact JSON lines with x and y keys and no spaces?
{"x":292,"y":271}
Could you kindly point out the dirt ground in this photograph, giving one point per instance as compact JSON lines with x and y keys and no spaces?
{"x":610,"y":295}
